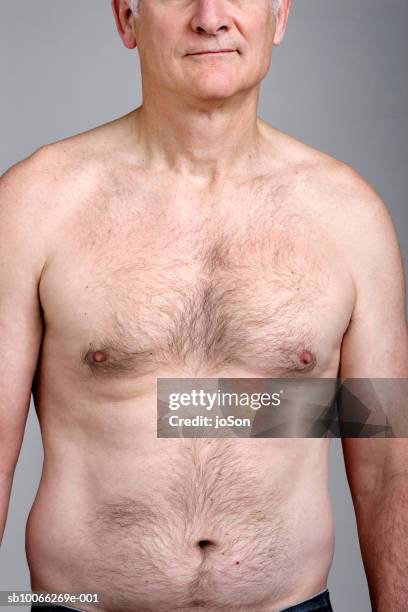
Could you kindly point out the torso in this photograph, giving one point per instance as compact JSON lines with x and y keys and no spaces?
{"x":151,"y":280}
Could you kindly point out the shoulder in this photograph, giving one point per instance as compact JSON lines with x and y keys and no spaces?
{"x":325,"y":174}
{"x":342,"y":196}
{"x":354,"y":214}
{"x":30,"y":192}
{"x":42,"y":183}
{"x":41,"y":174}
{"x":37,"y":192}
{"x":23,"y":190}
{"x":77,"y":159}
{"x":358,"y":215}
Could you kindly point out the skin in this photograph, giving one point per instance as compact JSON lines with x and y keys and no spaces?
{"x":109,"y":241}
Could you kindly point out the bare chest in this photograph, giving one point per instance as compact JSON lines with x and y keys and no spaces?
{"x":134,"y":289}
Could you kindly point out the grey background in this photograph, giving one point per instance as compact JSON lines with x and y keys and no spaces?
{"x":338,"y":82}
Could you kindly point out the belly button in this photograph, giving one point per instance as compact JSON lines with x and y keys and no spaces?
{"x":205,"y":543}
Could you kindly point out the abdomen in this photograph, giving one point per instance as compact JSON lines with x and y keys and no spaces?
{"x":236,"y":523}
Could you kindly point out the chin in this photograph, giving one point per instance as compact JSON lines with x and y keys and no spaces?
{"x":214,"y":94}
{"x":213,"y":89}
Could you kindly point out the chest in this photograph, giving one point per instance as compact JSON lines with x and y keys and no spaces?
{"x":126,"y":295}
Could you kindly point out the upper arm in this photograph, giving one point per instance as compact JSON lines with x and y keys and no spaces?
{"x":375,"y":344}
{"x":21,"y":261}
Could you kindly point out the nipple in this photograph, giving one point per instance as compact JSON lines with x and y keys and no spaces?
{"x":99,"y":356}
{"x":306,"y":357}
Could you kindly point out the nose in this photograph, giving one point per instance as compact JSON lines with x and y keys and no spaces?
{"x":210,"y":17}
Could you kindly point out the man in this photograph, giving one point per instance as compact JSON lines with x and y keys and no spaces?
{"x":191,"y":239}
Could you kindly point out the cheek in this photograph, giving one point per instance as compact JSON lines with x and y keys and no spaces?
{"x":260,"y":41}
{"x":165,"y":39}
{"x":162,"y":30}
{"x":259,"y":28}
{"x":158,"y":46}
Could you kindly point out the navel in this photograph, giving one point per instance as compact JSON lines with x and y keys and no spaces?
{"x":206,"y":544}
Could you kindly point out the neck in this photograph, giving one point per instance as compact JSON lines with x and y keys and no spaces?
{"x":203,"y":141}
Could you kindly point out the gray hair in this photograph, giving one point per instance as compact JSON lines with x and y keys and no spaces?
{"x":134,"y":6}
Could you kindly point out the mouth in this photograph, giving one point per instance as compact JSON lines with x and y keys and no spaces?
{"x":218,"y":52}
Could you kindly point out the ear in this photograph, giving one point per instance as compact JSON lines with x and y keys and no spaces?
{"x":124,"y":22}
{"x":281,"y":21}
